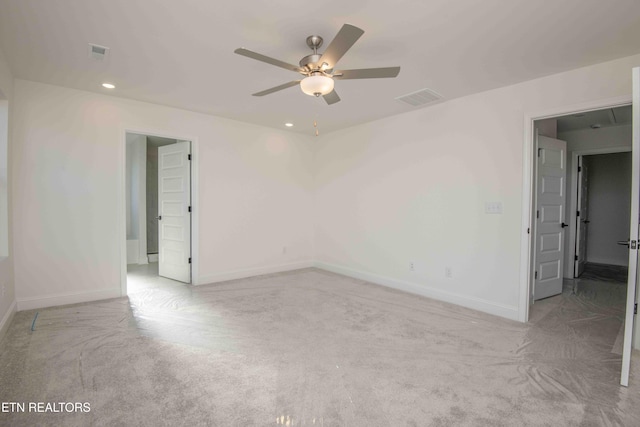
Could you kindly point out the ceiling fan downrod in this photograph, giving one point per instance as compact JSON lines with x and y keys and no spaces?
{"x":310,"y":62}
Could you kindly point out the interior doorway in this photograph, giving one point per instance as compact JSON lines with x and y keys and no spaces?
{"x":586,"y":159}
{"x":603,"y":214}
{"x":580,"y":212}
{"x":158,"y":210}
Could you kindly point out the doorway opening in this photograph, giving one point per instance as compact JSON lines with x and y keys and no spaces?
{"x":582,"y":187}
{"x":158,"y":211}
{"x":563,"y":150}
{"x":603,"y":213}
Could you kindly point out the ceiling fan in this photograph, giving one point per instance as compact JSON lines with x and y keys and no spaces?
{"x":318,"y":69}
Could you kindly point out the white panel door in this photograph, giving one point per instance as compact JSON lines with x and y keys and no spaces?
{"x":174,"y":205}
{"x":632,"y":280}
{"x":550,"y":210}
{"x":582,"y":219}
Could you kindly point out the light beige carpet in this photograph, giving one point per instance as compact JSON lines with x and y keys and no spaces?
{"x":317,"y":349}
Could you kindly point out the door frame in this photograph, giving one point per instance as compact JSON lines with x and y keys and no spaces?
{"x":528,"y":182}
{"x":122,"y":208}
{"x":573,"y":205}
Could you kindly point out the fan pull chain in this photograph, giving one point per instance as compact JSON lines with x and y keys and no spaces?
{"x":315,"y":125}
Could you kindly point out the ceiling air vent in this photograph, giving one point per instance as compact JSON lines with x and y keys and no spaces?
{"x":98,"y":52}
{"x":420,"y":98}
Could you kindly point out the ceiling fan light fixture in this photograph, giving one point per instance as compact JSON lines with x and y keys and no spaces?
{"x":316,"y":85}
{"x":318,"y":69}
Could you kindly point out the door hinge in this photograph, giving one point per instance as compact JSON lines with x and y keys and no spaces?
{"x":539,"y":151}
{"x":635,"y":308}
{"x":579,"y":168}
{"x":535,"y":275}
{"x":189,"y":208}
{"x":537,"y":214}
{"x":578,"y":213}
{"x":633,"y":244}
{"x":188,"y":156}
{"x":576,"y":257}
{"x":189,"y":260}
{"x":528,"y":231}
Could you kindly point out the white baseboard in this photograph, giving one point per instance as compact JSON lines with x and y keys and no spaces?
{"x":479,"y":304}
{"x":241,"y":274}
{"x":6,"y":319}
{"x":474,"y":303}
{"x":70,"y":298}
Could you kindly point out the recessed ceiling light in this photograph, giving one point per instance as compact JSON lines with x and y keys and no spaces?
{"x":108,"y":85}
{"x":288,"y":124}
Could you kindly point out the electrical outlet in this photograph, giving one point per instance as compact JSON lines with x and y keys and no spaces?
{"x":448,"y":272}
{"x":412,"y":266}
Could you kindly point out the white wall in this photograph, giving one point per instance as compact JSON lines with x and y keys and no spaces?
{"x":413,"y":187}
{"x":136,"y":145}
{"x":255,"y":192}
{"x":587,"y":140}
{"x":4,"y":175}
{"x":136,"y":198}
{"x":407,"y":188}
{"x":609,"y":208}
{"x":7,"y":289}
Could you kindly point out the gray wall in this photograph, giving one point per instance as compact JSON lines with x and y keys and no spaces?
{"x":583,"y":140}
{"x":547,"y":127}
{"x":609,"y":208}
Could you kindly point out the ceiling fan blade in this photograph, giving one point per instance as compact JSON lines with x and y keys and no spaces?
{"x":341,"y":43}
{"x":253,"y":55}
{"x":277,"y":88}
{"x":367,"y":73}
{"x":332,"y":97}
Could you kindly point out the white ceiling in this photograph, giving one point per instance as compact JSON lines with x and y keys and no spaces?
{"x":158,"y":141}
{"x":619,"y":116}
{"x":180,"y":53}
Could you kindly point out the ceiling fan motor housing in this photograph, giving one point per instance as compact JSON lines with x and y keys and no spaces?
{"x":310,"y":61}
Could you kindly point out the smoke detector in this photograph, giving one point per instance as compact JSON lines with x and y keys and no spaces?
{"x":97,"y":52}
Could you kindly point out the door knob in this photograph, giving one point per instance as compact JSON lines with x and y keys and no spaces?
{"x":563,"y":225}
{"x":623,"y":243}
{"x":159,"y":217}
